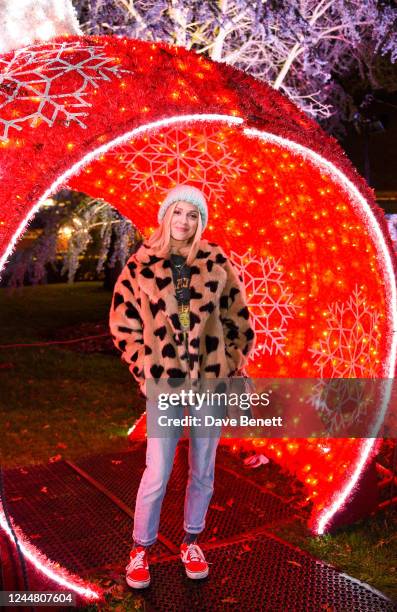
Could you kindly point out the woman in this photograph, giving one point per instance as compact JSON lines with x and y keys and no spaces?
{"x":179,"y":312}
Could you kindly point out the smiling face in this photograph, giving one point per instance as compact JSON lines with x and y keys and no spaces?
{"x":184,"y":221}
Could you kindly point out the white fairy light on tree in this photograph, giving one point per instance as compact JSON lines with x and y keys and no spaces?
{"x":305,"y":49}
{"x":71,"y":227}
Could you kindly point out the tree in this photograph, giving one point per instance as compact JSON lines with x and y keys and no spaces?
{"x":307,"y":49}
{"x":66,"y":228}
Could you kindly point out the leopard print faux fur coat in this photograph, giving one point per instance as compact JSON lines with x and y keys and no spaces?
{"x":145,"y":326}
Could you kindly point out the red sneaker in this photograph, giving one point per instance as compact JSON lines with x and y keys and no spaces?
{"x":193,"y":558}
{"x":137,"y":571}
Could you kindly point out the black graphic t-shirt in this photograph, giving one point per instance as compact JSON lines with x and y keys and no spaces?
{"x":181,"y":275}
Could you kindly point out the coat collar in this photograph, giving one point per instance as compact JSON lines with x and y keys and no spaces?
{"x":145,"y":252}
{"x":154,"y":275}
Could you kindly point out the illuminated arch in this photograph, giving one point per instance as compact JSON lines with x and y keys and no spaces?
{"x":76,"y":109}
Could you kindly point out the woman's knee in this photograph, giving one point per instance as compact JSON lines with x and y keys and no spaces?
{"x":153,"y":483}
{"x":157,"y":472}
{"x":203,"y":477}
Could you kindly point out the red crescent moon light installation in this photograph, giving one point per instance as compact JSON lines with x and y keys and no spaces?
{"x":125,"y":120}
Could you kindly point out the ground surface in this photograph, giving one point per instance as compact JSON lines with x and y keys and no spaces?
{"x":67,"y":401}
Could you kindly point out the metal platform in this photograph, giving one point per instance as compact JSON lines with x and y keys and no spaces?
{"x":260,"y":574}
{"x":237,"y":506}
{"x":81,"y":515}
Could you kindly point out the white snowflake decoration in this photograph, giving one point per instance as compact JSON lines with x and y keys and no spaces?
{"x":347,"y":351}
{"x":270,"y":303}
{"x":350,"y":341}
{"x":341,"y":402}
{"x":34,"y":77}
{"x":180,"y":156}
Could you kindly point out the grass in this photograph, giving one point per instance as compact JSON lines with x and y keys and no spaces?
{"x":61,"y":404}
{"x":33,"y":313}
{"x":56,"y":403}
{"x":366,"y":550}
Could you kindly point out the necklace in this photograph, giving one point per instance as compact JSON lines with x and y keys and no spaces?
{"x":178,"y":266}
{"x":180,"y":290}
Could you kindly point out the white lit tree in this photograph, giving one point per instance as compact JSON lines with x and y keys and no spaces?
{"x":66,"y":227}
{"x":306,"y":49}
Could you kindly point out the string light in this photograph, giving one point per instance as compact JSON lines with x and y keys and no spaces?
{"x":278,"y":196}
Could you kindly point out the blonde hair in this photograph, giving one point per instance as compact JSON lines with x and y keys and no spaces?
{"x":160,"y":240}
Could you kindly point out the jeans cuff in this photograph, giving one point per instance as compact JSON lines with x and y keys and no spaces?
{"x":142,"y":543}
{"x":191,"y":529}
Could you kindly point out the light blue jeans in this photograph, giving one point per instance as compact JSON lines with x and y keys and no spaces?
{"x":160,"y":453}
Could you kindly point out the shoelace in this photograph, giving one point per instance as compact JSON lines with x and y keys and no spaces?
{"x":195,"y":553}
{"x":137,"y":562}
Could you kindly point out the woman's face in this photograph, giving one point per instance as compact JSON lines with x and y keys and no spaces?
{"x":184,"y":221}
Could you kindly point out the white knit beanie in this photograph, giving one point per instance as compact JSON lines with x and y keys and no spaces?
{"x":187,"y":193}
